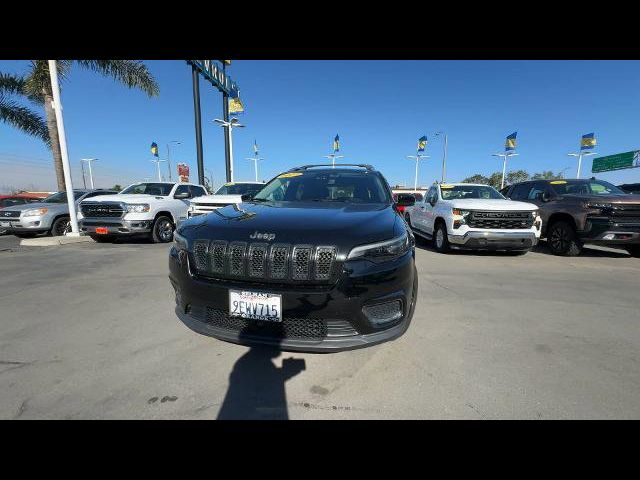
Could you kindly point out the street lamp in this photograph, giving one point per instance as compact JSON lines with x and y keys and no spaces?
{"x":230,"y":125}
{"x":172,"y":142}
{"x":89,"y":160}
{"x":417,"y":158}
{"x":157,"y":162}
{"x":444,"y":154}
{"x":255,"y":163}
{"x":580,"y":155}
{"x":504,"y":163}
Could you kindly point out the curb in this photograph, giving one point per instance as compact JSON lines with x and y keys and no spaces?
{"x":52,"y":241}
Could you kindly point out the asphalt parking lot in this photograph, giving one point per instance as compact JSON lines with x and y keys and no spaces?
{"x":87,"y":331}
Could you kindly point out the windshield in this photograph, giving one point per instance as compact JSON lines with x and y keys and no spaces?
{"x":585,"y":187}
{"x":160,"y":189}
{"x":239,"y":188}
{"x":450,"y":192}
{"x":61,"y":197}
{"x":324,"y":186}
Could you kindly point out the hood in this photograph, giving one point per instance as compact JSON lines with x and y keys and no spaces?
{"x":31,"y":206}
{"x":215,"y":199}
{"x":624,"y":198}
{"x":127,"y":198}
{"x":343,"y":225}
{"x":491,"y":204}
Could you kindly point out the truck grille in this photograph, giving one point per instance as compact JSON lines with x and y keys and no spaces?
{"x":290,"y":327}
{"x":626,"y":214}
{"x":500,"y":220}
{"x":261,"y":261}
{"x":9,"y":214}
{"x":101,"y":210}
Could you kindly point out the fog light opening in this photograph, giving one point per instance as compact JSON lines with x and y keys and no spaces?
{"x":609,"y":236}
{"x":383,"y":313}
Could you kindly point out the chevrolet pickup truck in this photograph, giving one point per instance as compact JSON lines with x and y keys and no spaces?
{"x":148,"y":208}
{"x":472,"y":216}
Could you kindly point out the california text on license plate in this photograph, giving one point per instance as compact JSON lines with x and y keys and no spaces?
{"x":102,"y":230}
{"x":255,"y":305}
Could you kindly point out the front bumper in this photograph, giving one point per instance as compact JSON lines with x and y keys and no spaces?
{"x":333,"y":312}
{"x":605,"y":231}
{"x":115,"y":226}
{"x":33,"y":224}
{"x":492,"y":240}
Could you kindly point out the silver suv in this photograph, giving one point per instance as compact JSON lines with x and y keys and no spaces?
{"x":50,"y":216}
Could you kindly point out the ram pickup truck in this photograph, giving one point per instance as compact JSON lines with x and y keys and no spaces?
{"x":580,"y":211}
{"x":471,"y":216}
{"x":50,"y":216}
{"x":228,"y":194}
{"x":146,"y":208}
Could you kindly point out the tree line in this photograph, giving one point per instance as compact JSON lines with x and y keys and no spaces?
{"x":512,"y":177}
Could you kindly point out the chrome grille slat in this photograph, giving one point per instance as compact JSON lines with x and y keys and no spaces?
{"x":279,"y":261}
{"x":257,"y":260}
{"x":236,"y":258}
{"x":200,"y":254}
{"x":324,"y":262}
{"x":217,"y":254}
{"x":301,"y":262}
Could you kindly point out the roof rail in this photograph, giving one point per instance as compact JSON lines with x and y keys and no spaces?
{"x":306,"y":167}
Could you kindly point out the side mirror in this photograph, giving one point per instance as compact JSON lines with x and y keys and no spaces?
{"x":405,"y":200}
{"x":246,"y":197}
{"x":182,"y":196}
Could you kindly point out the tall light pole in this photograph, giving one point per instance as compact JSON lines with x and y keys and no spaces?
{"x":172,"y":142}
{"x":444,"y":155}
{"x":57,"y":106}
{"x":504,"y":156}
{"x":230,"y":125}
{"x":157,"y":162}
{"x":580,"y":155}
{"x":89,"y":160}
{"x":417,"y":157}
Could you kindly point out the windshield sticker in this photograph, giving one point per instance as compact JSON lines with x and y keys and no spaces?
{"x":558,"y":182}
{"x":289,"y":175}
{"x":445,"y":186}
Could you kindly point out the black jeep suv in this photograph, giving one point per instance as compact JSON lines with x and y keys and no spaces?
{"x":319,"y":260}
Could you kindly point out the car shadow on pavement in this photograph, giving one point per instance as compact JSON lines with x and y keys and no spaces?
{"x":427,"y":245}
{"x":257,"y":386}
{"x":587,"y":251}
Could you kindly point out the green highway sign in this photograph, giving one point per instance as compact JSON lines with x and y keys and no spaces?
{"x":619,"y":161}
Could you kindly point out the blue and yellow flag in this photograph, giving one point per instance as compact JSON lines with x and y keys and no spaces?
{"x":588,"y":141}
{"x":510,"y":144}
{"x":255,"y":148}
{"x":336,"y":143}
{"x":154,"y":149}
{"x":422,"y":143}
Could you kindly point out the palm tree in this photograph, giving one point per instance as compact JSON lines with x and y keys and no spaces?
{"x":36,"y":86}
{"x":17,"y":115}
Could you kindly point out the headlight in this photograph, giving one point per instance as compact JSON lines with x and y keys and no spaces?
{"x":534,"y":214}
{"x":36,"y":212}
{"x":137,"y":207}
{"x":462,"y":213}
{"x":383,"y":251}
{"x":180,"y":241}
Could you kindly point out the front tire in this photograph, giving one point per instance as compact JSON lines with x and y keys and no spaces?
{"x":162,"y":230}
{"x":440,"y":238}
{"x":60,"y":226}
{"x":562,"y":239}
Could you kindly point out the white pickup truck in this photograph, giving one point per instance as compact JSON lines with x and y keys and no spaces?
{"x":471,"y":216}
{"x":228,"y":194}
{"x":147,"y":208}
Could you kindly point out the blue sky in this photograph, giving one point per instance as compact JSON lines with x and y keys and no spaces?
{"x":380,"y":108}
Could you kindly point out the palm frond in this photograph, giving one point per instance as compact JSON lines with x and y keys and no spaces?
{"x":23,"y":118}
{"x":132,"y":73}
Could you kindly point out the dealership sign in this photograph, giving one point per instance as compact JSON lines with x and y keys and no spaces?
{"x":183,"y":172}
{"x":619,"y":161}
{"x":214,"y":73}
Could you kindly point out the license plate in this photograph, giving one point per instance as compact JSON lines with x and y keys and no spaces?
{"x":5,"y":224}
{"x":255,"y":305}
{"x":102,"y":230}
